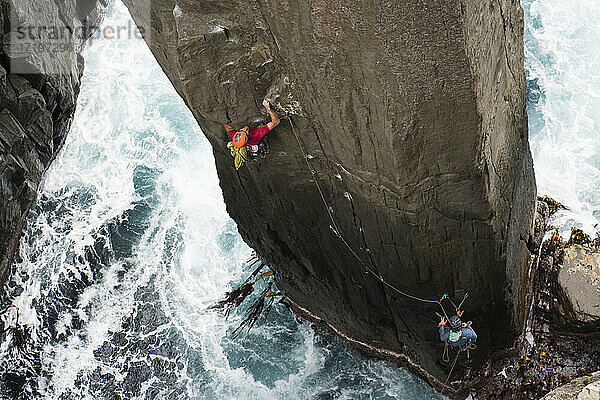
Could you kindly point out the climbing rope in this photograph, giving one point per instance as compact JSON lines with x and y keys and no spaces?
{"x":445,"y":296}
{"x":339,"y":233}
{"x":470,"y":346}
{"x":446,"y":354}
{"x":450,"y":373}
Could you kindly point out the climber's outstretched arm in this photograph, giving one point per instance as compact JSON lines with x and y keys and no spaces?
{"x":274,"y":118}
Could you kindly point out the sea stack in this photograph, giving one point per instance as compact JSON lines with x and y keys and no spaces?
{"x":413,"y":117}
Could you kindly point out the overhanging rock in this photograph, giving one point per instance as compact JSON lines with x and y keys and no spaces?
{"x":414,"y":115}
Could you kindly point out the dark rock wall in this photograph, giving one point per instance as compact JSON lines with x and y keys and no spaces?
{"x":494,"y":46}
{"x":38,"y":90}
{"x":414,"y":115}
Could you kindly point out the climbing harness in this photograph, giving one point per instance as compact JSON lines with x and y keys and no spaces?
{"x":454,"y":336}
{"x":258,"y":150}
{"x":446,"y":354}
{"x":339,"y":233}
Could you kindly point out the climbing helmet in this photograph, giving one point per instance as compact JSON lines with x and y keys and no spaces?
{"x":239,"y":138}
{"x":455,"y":322}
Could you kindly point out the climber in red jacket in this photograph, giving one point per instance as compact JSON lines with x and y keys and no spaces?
{"x":252,"y":137}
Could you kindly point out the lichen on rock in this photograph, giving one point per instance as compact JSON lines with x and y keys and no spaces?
{"x":578,"y":288}
{"x":584,"y":388}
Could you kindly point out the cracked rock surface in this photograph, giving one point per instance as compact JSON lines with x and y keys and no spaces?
{"x":38,"y":91}
{"x":413,"y":115}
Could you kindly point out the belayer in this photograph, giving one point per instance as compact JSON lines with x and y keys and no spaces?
{"x":457,"y":333}
{"x":246,"y":143}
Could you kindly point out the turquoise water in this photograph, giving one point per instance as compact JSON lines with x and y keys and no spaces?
{"x":129,"y":242}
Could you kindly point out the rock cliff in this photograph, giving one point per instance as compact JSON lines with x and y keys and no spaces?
{"x":40,"y":71}
{"x":576,"y":288}
{"x":413,"y":114}
{"x":584,"y":388}
{"x":559,"y":343}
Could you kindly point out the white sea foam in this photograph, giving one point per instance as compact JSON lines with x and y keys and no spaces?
{"x":131,"y":123}
{"x":562,"y":58}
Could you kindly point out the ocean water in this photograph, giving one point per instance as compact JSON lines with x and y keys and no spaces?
{"x":129,"y":244}
{"x":562,"y":62}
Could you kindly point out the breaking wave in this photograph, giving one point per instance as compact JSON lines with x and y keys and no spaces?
{"x":562,"y":62}
{"x":129,"y":241}
{"x":128,"y":244}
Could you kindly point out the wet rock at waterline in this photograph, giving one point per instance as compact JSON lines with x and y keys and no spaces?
{"x":547,"y":354}
{"x":39,"y":84}
{"x":414,"y":121}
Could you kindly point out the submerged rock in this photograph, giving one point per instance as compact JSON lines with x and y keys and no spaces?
{"x":413,"y":117}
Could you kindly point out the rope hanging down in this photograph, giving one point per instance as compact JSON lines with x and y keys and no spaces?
{"x":450,"y":373}
{"x":337,"y":230}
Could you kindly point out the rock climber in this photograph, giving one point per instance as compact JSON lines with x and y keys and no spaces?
{"x":456,"y":332}
{"x":247,"y":142}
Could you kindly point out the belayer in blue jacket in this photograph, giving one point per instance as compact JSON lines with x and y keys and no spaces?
{"x":456,"y":332}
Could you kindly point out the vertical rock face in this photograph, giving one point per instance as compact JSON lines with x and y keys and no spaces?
{"x":39,"y":83}
{"x":413,"y":114}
